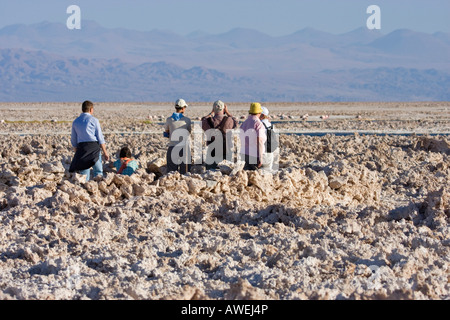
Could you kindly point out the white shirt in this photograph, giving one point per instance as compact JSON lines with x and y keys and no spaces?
{"x":267,"y":122}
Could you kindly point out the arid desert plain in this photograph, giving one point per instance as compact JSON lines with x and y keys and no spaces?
{"x":359,"y":208}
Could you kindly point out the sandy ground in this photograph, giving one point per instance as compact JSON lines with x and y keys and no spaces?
{"x":359,"y":208}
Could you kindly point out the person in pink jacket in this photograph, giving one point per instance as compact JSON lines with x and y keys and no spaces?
{"x":253,"y":138}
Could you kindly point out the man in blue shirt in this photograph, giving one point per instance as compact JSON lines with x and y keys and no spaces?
{"x":88,"y":142}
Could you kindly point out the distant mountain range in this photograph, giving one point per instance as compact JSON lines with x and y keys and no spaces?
{"x":48,"y":62}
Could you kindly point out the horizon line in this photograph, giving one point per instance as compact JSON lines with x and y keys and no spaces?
{"x":222,"y":33}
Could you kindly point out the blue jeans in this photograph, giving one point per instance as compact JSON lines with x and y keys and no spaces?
{"x":98,"y":169}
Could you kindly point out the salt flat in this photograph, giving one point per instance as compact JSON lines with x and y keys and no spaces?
{"x":356,"y":216}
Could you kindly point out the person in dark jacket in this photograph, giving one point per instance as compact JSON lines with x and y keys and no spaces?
{"x":222,"y":120}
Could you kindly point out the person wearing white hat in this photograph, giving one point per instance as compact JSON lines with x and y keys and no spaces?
{"x":265,"y":116}
{"x":178,"y":160}
{"x":271,"y":142}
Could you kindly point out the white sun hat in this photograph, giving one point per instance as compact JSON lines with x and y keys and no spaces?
{"x":181,"y":103}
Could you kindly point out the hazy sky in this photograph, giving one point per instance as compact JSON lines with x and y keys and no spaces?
{"x":274,"y":17}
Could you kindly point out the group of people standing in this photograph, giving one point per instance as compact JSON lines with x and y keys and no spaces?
{"x":258,"y":141}
{"x":257,"y":136}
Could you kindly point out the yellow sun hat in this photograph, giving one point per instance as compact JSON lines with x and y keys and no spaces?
{"x":255,"y":108}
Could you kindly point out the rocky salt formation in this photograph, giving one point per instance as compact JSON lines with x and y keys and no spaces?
{"x":355,"y":217}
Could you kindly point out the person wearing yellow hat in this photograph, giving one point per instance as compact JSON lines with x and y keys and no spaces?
{"x":253,"y":138}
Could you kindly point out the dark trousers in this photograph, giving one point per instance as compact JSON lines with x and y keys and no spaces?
{"x":221,"y":157}
{"x":182,"y":168}
{"x":86,"y":157}
{"x":251,"y":163}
